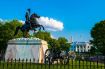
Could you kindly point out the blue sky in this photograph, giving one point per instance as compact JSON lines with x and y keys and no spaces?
{"x":78,"y":16}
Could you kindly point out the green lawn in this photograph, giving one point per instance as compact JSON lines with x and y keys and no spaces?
{"x":71,"y":65}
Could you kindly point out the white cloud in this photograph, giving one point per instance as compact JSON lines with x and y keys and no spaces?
{"x":51,"y":24}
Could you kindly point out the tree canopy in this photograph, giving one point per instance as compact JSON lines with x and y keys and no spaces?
{"x":7,"y":30}
{"x":60,"y":43}
{"x":64,"y":45}
{"x":43,"y":35}
{"x":98,"y":36}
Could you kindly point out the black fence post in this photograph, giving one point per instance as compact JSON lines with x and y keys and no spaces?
{"x":0,"y":58}
{"x":11,"y":63}
{"x":53,"y":66}
{"x":72,"y":63}
{"x":83,"y":63}
{"x":7,"y":63}
{"x":37,"y":66}
{"x":22,"y":63}
{"x":86,"y":65}
{"x":15,"y":64}
{"x":64,"y":64}
{"x":57,"y":63}
{"x":76,"y":64}
{"x":41,"y":65}
{"x":94,"y":64}
{"x":90,"y":63}
{"x":30,"y":63}
{"x":19,"y":63}
{"x":0,"y":62}
{"x":33,"y":63}
{"x":79,"y":63}
{"x":3,"y":63}
{"x":68,"y":64}
{"x":45,"y":64}
{"x":101,"y":66}
{"x":26,"y":62}
{"x":104,"y":61}
{"x":97,"y":61}
{"x":49,"y":65}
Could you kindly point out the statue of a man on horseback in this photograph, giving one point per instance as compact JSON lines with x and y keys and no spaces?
{"x":30,"y":24}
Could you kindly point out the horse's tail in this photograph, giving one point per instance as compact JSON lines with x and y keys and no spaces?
{"x":17,"y":29}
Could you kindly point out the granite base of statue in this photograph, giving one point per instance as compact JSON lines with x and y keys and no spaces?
{"x":26,"y":48}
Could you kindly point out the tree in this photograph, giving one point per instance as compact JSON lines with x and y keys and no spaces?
{"x":98,"y":36}
{"x":64,"y":45}
{"x":53,"y":43}
{"x":60,"y":43}
{"x":43,"y":35}
{"x":7,"y":32}
{"x":93,"y":50}
{"x":47,"y":37}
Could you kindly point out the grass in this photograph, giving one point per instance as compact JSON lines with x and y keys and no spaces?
{"x":71,"y":65}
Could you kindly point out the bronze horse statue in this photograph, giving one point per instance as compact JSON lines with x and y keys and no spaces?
{"x":30,"y":24}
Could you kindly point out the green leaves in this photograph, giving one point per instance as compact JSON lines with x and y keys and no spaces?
{"x":43,"y":35}
{"x":98,"y":35}
{"x":60,"y":43}
{"x":7,"y":32}
{"x":64,"y":45}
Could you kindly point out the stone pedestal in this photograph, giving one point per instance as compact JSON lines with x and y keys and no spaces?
{"x":26,"y":48}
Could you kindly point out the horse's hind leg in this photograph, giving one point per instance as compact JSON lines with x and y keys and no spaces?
{"x":39,"y":27}
{"x":42,"y":27}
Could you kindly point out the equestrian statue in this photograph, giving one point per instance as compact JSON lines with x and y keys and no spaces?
{"x":30,"y":24}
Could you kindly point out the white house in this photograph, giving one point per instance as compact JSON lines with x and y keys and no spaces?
{"x":83,"y":47}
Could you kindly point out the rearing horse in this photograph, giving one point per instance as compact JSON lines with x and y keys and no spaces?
{"x":30,"y":24}
{"x":34,"y":23}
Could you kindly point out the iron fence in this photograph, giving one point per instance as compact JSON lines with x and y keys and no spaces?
{"x":73,"y":64}
{"x":90,"y":62}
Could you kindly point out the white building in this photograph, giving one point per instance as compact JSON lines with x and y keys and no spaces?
{"x":83,"y":47}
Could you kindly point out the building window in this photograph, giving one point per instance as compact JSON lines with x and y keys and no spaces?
{"x":84,"y":46}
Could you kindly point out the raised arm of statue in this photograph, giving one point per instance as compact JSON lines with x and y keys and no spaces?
{"x":27,"y":16}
